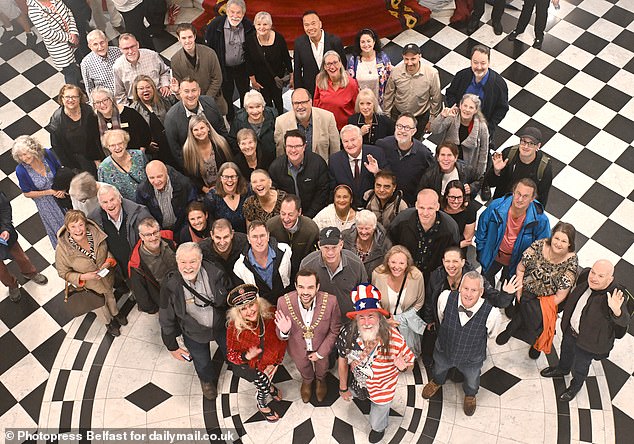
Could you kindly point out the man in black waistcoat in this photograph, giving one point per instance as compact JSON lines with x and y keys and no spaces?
{"x":596,"y":313}
{"x":465,"y":320}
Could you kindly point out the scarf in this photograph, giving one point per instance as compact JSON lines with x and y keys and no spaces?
{"x":115,"y":120}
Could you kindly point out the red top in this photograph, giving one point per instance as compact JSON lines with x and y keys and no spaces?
{"x":340,"y":102}
{"x":273,"y":350}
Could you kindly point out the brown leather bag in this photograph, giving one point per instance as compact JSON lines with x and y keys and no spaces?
{"x":79,"y":301}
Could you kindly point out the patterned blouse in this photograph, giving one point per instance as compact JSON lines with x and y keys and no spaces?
{"x":253,"y":210}
{"x":544,"y":278}
{"x":126,"y":183}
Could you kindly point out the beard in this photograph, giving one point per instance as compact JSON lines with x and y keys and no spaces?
{"x":369,"y":335}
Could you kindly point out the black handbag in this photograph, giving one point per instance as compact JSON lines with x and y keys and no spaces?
{"x":79,"y":301}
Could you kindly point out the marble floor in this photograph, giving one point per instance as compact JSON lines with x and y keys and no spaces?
{"x":62,"y":374}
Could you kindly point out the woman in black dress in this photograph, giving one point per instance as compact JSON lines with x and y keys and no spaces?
{"x":368,"y":116}
{"x":74,"y":131}
{"x":455,"y":203}
{"x":268,"y":60}
{"x":153,"y":107}
{"x":112,"y":116}
{"x":251,"y":156}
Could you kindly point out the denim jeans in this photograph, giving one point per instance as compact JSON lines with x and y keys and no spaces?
{"x":576,"y":359}
{"x":207,"y":370}
{"x":471,"y":372}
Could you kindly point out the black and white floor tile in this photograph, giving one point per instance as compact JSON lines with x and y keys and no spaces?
{"x":60,"y":373}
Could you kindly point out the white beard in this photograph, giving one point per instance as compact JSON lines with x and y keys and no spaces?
{"x":369,"y":335}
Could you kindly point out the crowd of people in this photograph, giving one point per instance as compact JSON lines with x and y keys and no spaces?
{"x":329,"y":230}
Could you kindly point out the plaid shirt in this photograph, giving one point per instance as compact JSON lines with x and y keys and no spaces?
{"x":150,"y":63}
{"x":97,"y":70}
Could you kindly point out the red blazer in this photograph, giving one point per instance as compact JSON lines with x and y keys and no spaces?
{"x":273,"y":350}
{"x":326,"y":331}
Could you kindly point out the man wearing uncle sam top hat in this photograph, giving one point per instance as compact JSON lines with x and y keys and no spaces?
{"x":375,"y":353}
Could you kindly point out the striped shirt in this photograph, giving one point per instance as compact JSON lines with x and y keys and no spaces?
{"x":97,"y":70}
{"x":381,"y":384}
{"x":149,"y":63}
{"x":55,"y":25}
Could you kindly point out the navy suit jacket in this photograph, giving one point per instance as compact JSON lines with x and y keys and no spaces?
{"x":341,"y":172}
{"x":305,"y":67}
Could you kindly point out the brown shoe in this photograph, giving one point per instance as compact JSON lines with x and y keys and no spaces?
{"x":469,"y":405}
{"x":209,"y":390}
{"x":430,"y":389}
{"x":306,"y":391}
{"x":321,"y":391}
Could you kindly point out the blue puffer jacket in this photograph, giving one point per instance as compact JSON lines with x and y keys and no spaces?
{"x":491,"y":227}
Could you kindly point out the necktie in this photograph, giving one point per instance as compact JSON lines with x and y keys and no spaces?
{"x":461,"y":309}
{"x":357,"y":172}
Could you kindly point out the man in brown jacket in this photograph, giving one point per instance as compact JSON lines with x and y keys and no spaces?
{"x":200,"y":63}
{"x":309,"y":320}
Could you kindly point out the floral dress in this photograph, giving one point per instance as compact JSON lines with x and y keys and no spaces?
{"x":126,"y":183}
{"x":47,"y":207}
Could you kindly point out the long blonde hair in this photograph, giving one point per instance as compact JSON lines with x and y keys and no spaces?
{"x":192,"y":160}
{"x":234,"y":316}
{"x":322,"y":77}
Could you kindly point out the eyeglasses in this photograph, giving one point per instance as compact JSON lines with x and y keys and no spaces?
{"x":455,"y":197}
{"x":232,"y":177}
{"x":329,"y":64}
{"x":528,"y":142}
{"x":115,"y":145}
{"x":129,"y":48}
{"x":100,"y":102}
{"x":294,"y":147}
{"x":70,"y":97}
{"x":152,"y":234}
{"x":404,"y":127}
{"x":302,"y":102}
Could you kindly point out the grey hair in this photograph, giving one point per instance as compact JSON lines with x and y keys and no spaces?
{"x":26,"y":144}
{"x":253,"y":96}
{"x":107,"y":135}
{"x":365,"y":218}
{"x":83,"y":186}
{"x":350,"y":127}
{"x":149,"y":222}
{"x":186,"y":247}
{"x":104,"y":188}
{"x":474,"y":275}
{"x":240,"y":3}
{"x":102,"y":90}
{"x":263,"y":15}
{"x":94,"y":34}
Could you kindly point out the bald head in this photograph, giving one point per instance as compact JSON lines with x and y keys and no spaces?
{"x":156,"y":172}
{"x":601,"y":275}
{"x":427,"y":205}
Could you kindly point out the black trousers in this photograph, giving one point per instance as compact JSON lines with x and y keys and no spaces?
{"x":541,"y":16}
{"x":496,"y":14}
{"x":234,"y":75}
{"x":155,"y":11}
{"x":134,"y":25}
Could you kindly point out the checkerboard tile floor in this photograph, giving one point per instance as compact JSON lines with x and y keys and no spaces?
{"x":60,"y":373}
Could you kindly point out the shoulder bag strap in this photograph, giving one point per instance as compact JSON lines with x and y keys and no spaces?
{"x":205,"y":300}
{"x":398,"y":299}
{"x":124,"y":170}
